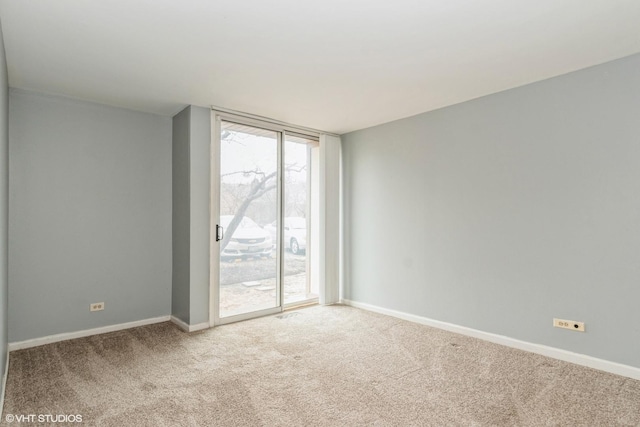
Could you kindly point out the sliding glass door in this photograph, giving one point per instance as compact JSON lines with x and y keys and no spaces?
{"x":263,"y":230}
{"x":299,"y":230}
{"x":248,"y":200}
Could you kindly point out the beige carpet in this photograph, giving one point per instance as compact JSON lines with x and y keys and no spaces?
{"x":335,"y":366}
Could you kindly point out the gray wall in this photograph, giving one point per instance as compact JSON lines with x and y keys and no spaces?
{"x":191,"y":217}
{"x":506,"y":211}
{"x":180,"y":288}
{"x":200,"y":183}
{"x":89,"y":216}
{"x":4,"y":204}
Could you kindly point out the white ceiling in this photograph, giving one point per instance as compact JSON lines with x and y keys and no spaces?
{"x":334,"y":65}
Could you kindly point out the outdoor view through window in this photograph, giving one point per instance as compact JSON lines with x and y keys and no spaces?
{"x":249,"y":216}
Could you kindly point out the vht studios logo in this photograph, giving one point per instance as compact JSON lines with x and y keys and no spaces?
{"x":43,"y":418}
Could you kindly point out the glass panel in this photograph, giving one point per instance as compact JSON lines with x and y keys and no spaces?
{"x":297,"y":235}
{"x":248,"y":210}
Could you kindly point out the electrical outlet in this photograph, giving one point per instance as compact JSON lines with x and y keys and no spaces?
{"x":96,"y":306}
{"x":569,"y":324}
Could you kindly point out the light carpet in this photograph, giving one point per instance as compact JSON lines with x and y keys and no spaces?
{"x":319,"y":366}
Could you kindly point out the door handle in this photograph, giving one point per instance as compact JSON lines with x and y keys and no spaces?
{"x":219,"y":233}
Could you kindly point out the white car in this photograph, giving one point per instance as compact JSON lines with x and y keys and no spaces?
{"x":295,"y":233}
{"x":248,"y":240}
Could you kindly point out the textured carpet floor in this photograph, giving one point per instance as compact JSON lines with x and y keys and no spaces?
{"x":318,"y":366}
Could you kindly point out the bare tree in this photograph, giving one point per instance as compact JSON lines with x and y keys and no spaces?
{"x":262,"y":183}
{"x":259,"y":187}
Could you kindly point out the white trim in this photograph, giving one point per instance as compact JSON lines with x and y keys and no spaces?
{"x":250,"y":315}
{"x":35,"y":342}
{"x":555,"y":353}
{"x":214,"y":209}
{"x":341,"y":222}
{"x":281,"y":136}
{"x":187,"y":327}
{"x":266,"y":120}
{"x":4,"y":383}
{"x":300,"y":303}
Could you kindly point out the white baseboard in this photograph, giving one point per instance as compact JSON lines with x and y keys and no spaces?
{"x":189,"y":328}
{"x":555,"y":353}
{"x":85,"y":333}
